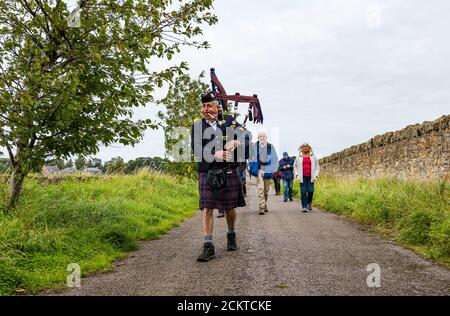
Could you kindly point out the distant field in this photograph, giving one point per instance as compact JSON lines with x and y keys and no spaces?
{"x":415,"y":214}
{"x":89,"y":221}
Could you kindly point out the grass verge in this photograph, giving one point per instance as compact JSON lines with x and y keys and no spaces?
{"x":414,"y":214}
{"x":91,"y":222}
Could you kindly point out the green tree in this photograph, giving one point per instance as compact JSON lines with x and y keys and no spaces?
{"x":115,"y":165}
{"x":66,"y":90}
{"x":138,"y":163}
{"x":80,"y":163}
{"x":60,"y":163}
{"x":68,"y":164}
{"x":95,"y":163}
{"x":182,"y":105}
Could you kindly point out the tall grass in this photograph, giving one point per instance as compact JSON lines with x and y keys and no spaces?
{"x":415,"y":214}
{"x":91,"y":221}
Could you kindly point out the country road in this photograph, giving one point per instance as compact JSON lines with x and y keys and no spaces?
{"x":284,"y":252}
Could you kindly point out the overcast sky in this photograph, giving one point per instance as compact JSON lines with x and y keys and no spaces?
{"x":334,"y":73}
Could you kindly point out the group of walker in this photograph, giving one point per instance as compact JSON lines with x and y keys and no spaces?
{"x":221,"y":169}
{"x":266,"y":167}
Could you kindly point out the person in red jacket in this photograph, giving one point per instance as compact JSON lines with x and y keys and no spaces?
{"x":306,"y":168}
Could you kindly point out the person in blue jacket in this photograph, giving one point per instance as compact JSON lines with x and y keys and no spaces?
{"x":264,"y":163}
{"x":286,"y":166}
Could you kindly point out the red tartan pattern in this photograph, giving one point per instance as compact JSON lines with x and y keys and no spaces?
{"x":230,"y":196}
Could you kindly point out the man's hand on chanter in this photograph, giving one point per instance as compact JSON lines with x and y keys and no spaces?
{"x":233,"y":144}
{"x":223,"y":155}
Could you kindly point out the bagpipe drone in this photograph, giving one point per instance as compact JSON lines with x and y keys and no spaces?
{"x":254,"y":109}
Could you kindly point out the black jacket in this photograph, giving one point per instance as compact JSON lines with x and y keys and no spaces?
{"x":210,"y":140}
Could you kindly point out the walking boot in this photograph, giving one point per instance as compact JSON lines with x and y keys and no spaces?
{"x":231,"y":242}
{"x":208,"y":252}
{"x":309,"y":207}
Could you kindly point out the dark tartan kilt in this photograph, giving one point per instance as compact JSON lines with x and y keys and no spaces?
{"x":230,"y":196}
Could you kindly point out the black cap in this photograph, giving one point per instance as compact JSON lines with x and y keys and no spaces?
{"x":208,"y":97}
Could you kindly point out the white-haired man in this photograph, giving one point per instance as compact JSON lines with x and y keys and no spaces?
{"x":266,"y":157}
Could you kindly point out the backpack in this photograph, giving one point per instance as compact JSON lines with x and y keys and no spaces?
{"x":254,"y":168}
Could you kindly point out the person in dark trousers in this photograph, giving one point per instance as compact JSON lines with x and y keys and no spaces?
{"x":286,"y":167}
{"x":243,"y":170}
{"x":306,"y":167}
{"x":276,"y":182}
{"x":218,"y":149}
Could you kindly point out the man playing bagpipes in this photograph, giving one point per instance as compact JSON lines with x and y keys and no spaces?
{"x":220,"y":145}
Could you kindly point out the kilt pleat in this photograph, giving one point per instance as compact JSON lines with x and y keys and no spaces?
{"x":230,"y":196}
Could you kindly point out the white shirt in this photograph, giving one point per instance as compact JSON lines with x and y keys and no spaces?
{"x":213,"y":124}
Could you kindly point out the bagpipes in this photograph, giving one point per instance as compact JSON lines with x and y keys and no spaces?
{"x":254,"y":109}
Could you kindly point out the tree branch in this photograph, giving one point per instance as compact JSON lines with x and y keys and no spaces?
{"x":60,"y":31}
{"x":26,"y":29}
{"x":12,"y":121}
{"x":52,"y":114}
{"x":50,"y":137}
{"x":11,"y":155}
{"x":167,"y":23}
{"x":68,"y":61}
{"x":27,"y":7}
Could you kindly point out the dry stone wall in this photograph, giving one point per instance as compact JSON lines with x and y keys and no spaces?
{"x":420,"y":151}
